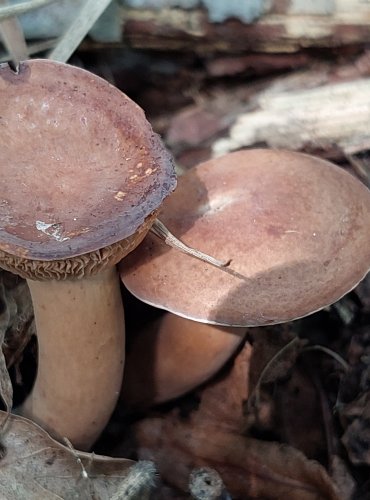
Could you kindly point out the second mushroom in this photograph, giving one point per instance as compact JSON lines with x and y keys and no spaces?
{"x":296,"y":229}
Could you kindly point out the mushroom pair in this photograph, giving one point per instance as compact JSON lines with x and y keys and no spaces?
{"x":82,"y":177}
{"x":296,"y":229}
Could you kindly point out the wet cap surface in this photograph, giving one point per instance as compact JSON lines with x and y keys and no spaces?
{"x":296,"y":229}
{"x":80,"y":166}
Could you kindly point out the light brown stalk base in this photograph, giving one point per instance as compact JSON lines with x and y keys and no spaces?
{"x":81,"y":338}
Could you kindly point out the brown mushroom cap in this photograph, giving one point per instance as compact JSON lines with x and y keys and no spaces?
{"x":175,"y":355}
{"x":81,"y":168}
{"x":295,"y":227}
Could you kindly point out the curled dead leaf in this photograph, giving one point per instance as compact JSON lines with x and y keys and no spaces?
{"x":34,"y":466}
{"x":249,"y":468}
{"x":213,"y":435}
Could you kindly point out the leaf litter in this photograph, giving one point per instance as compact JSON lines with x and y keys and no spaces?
{"x":32,"y":464}
{"x":211,"y":435}
{"x":35,"y":466}
{"x":225,"y":418}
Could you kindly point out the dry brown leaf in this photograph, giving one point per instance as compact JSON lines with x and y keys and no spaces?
{"x":224,"y":397}
{"x":213,"y":436}
{"x":249,"y":468}
{"x":34,"y":466}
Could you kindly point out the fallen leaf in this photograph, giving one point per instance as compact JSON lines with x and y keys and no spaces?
{"x":248,"y":467}
{"x":224,"y":397}
{"x":212,"y":435}
{"x":35,"y":466}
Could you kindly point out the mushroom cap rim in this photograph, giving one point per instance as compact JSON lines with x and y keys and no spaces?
{"x":109,"y":230}
{"x":243,"y":325}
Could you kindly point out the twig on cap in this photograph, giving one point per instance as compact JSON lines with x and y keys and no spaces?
{"x":160,"y":230}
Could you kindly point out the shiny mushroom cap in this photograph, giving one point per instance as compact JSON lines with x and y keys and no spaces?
{"x":295,"y":227}
{"x":81,"y":168}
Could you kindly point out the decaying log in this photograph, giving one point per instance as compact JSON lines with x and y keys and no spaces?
{"x":301,"y":110}
{"x":286,"y":26}
{"x":324,"y":117}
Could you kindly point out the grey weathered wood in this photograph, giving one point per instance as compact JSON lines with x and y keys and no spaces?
{"x":22,"y":8}
{"x":335,"y":115}
{"x":285,"y":27}
{"x":68,"y":43}
{"x":13,"y":38}
{"x":33,"y":48}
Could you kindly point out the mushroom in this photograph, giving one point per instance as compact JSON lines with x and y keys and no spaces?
{"x":295,"y":227}
{"x":175,"y":355}
{"x":82,"y":177}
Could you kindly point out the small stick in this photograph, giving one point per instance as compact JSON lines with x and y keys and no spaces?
{"x":160,"y":230}
{"x":84,"y":474}
{"x":330,"y":353}
{"x":90,"y":11}
{"x":14,"y":41}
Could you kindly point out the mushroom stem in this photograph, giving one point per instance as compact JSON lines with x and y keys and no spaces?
{"x":81,"y":340}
